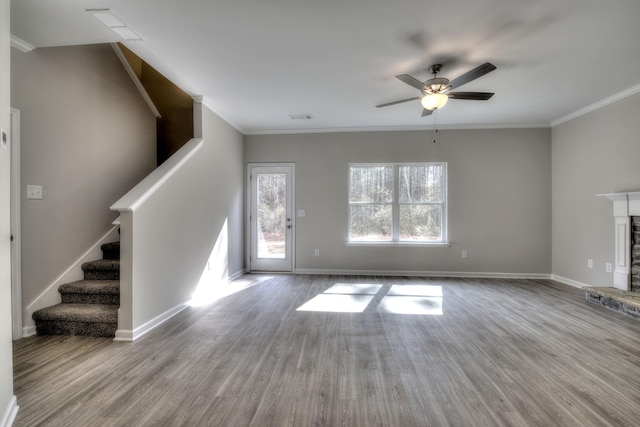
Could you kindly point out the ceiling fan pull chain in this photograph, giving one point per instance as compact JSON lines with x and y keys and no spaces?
{"x":435,"y":125}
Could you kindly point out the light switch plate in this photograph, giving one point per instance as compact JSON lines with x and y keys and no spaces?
{"x":34,"y":192}
{"x":3,"y":138}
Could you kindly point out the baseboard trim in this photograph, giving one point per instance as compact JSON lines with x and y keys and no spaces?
{"x":569,"y":282}
{"x":10,"y":413}
{"x":237,"y":274}
{"x":129,"y":335}
{"x":28,"y":331}
{"x":462,"y":274}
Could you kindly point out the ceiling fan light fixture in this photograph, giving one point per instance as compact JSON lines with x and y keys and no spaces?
{"x":434,"y":101}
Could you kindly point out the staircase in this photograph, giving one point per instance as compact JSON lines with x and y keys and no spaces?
{"x":89,"y":307}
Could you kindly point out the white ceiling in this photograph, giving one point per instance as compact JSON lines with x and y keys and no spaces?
{"x":258,"y":61}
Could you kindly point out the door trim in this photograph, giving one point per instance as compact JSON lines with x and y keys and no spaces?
{"x":16,"y":248}
{"x":250,"y":166}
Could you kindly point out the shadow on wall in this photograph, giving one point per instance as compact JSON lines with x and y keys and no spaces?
{"x":175,"y":126}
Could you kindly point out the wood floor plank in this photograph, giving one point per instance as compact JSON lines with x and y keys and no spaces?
{"x":504,"y":352}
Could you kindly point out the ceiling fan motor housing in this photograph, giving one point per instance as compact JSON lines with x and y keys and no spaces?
{"x":436,"y":85}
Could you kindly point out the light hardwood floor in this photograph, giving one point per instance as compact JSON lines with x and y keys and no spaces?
{"x":503,"y":353}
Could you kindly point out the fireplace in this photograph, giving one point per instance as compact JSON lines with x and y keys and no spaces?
{"x":626,"y":211}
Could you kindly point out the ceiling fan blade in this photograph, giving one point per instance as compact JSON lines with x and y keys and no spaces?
{"x":426,"y":112}
{"x":411,"y":81}
{"x":472,"y":75}
{"x":397,"y":102}
{"x":476,"y":96}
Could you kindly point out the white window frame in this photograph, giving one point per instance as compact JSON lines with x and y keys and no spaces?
{"x":395,"y":208}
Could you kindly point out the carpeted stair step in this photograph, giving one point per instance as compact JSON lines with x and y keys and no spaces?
{"x":111,"y":250}
{"x":97,"y":320}
{"x":102,"y":269}
{"x":91,"y":292}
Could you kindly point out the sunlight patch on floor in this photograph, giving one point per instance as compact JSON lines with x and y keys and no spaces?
{"x":400,"y":299}
{"x":354,"y":289}
{"x":431,"y":306}
{"x":416,"y":290}
{"x":337,"y":303}
{"x":222,"y":288}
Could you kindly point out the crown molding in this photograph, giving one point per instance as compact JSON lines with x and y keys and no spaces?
{"x":399,"y":128}
{"x":597,"y":105}
{"x":207,"y":103}
{"x":21,"y":45}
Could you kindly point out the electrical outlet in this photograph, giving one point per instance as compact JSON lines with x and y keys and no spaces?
{"x":34,"y":192}
{"x":609,"y":267}
{"x":465,"y":253}
{"x":316,"y":252}
{"x":589,"y":263}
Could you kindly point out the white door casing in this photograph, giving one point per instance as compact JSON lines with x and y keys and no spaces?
{"x":271,"y":224}
{"x":16,"y":263}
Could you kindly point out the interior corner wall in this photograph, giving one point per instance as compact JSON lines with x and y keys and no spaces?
{"x":7,"y":399}
{"x":593,"y":154}
{"x":499,"y":198}
{"x":87,"y":137}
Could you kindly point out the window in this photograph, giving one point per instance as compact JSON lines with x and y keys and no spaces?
{"x":403,"y":202}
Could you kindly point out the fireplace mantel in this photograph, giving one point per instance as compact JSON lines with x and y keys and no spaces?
{"x":625,"y":205}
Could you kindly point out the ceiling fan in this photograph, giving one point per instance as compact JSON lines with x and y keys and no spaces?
{"x":436,"y":91}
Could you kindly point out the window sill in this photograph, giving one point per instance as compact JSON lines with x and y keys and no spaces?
{"x":401,"y":244}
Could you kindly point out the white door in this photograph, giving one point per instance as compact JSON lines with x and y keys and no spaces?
{"x":271,"y":223}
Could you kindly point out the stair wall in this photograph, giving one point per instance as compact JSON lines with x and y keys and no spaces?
{"x":86,"y":163}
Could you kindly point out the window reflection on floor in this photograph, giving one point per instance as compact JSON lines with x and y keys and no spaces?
{"x":416,"y":290}
{"x":400,"y":299}
{"x":431,"y":306}
{"x":337,"y":303}
{"x":354,"y":289}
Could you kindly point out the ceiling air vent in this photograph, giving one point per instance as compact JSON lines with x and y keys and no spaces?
{"x":301,"y":116}
{"x":115,"y":24}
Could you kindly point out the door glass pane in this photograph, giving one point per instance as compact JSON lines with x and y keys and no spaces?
{"x":271,"y":211}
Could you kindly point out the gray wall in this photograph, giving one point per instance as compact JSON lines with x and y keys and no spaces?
{"x":87,"y":138}
{"x":499,"y":197}
{"x":592,"y":154}
{"x":187,"y":235}
{"x":6,"y":361}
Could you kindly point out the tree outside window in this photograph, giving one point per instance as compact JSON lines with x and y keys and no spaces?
{"x":403,"y":202}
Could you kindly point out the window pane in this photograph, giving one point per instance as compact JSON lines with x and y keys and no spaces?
{"x":370,"y":222}
{"x":421,"y":183}
{"x":420,"y":222}
{"x":372,"y":184}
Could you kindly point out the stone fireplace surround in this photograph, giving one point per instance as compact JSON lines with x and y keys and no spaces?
{"x":624,"y":297}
